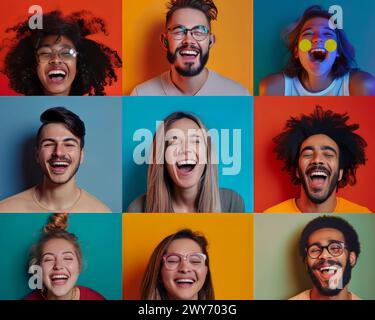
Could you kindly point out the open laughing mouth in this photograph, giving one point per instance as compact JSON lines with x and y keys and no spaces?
{"x":59,"y":279}
{"x":184,"y":282}
{"x":317,"y":177}
{"x":185,"y":167}
{"x":57,"y":76}
{"x":318,"y":54}
{"x":59,"y":166}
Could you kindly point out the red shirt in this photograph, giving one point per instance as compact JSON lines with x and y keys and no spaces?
{"x":85,"y":294}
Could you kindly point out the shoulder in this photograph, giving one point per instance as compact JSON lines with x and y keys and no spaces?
{"x":305,"y":295}
{"x":91,"y":204}
{"x":20,"y":202}
{"x":151,"y":87}
{"x":287,"y":206}
{"x":272,"y":85}
{"x":346,"y":206}
{"x":138,"y":204}
{"x":89,"y":294}
{"x":35,"y":295}
{"x":224,"y":86}
{"x":231,"y":201}
{"x":361,"y":84}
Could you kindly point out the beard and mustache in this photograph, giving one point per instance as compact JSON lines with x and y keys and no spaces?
{"x":188,"y":71}
{"x":327,"y":291}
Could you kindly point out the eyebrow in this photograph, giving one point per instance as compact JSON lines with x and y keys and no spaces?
{"x":329,"y":242}
{"x":310,"y":28}
{"x":322,"y":148}
{"x":51,"y":46}
{"x":52,"y":254}
{"x":64,"y":140}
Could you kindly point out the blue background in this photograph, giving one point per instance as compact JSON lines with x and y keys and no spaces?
{"x":100,"y":172}
{"x":98,"y":234}
{"x":272,"y":16}
{"x":214,"y":112}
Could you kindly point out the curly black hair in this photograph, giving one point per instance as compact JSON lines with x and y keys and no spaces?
{"x":96,"y":62}
{"x":350,"y":235}
{"x":351,"y":145}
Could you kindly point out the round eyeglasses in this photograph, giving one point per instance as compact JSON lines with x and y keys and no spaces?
{"x":199,"y":33}
{"x":65,"y":54}
{"x":335,"y":249}
{"x":173,"y":260}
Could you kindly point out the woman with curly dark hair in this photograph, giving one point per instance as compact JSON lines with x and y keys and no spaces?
{"x":60,"y":59}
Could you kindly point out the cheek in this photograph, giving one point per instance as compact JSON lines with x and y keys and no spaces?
{"x":72,"y":70}
{"x":40,"y":71}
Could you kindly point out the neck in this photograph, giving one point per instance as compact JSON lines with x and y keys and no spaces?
{"x":189,"y":85}
{"x":316,"y":83}
{"x":304,"y":204}
{"x":71,"y":295}
{"x":57,"y":197}
{"x":184,"y":200}
{"x":344,"y":294}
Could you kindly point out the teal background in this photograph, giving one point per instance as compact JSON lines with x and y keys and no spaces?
{"x":279,"y":272}
{"x":272,"y":16}
{"x":99,"y":236}
{"x":100,"y":172}
{"x":214,"y":112}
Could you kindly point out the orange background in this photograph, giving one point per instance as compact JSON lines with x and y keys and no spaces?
{"x":230,"y":248}
{"x":271,"y":185}
{"x":144,"y":58}
{"x":13,"y":12}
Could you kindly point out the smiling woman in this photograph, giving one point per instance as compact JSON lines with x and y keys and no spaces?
{"x":179,"y":269}
{"x":60,"y":59}
{"x":182,"y":174}
{"x":59,"y":256}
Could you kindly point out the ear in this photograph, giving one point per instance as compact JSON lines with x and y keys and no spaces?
{"x":164,"y":41}
{"x":297,"y":174}
{"x":36,"y":155}
{"x":82,"y":155}
{"x":341,"y":172}
{"x":352,"y":258}
{"x":295,"y":52}
{"x":212,"y":40}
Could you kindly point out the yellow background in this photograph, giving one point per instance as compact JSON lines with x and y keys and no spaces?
{"x":230,"y":248}
{"x":144,"y":58}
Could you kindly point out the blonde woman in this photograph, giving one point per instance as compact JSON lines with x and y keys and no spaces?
{"x":182,"y":174}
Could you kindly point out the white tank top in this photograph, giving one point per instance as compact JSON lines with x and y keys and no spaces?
{"x":338,"y":87}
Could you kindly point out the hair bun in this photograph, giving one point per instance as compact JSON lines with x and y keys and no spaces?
{"x":58,"y":221}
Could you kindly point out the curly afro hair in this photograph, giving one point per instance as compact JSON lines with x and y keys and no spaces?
{"x":96,"y":62}
{"x":334,"y":125}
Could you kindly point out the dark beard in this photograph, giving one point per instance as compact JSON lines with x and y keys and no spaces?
{"x":189,"y":71}
{"x":332,"y":292}
{"x":68,"y":179}
{"x":313,"y":199}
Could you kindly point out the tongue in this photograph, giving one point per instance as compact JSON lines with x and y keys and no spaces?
{"x":186,"y":169}
{"x":317,"y":183}
{"x":56,"y":79}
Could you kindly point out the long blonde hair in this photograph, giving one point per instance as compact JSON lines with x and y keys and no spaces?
{"x":159,"y":184}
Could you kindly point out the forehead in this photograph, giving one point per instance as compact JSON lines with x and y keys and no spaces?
{"x":56,"y":131}
{"x":184,"y":124}
{"x":188,"y":17}
{"x":184,"y":246}
{"x":324,"y":235}
{"x":56,"y":41}
{"x":58,"y":245}
{"x":319,"y":140}
{"x":316,"y":23}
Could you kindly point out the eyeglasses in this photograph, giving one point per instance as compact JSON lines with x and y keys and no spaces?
{"x":173,"y":260}
{"x":66,"y":54}
{"x":199,"y":33}
{"x":335,"y":249}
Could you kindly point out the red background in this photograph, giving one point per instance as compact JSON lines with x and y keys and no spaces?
{"x":13,"y":12}
{"x":271,"y":185}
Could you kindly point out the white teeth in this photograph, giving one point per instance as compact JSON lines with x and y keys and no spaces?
{"x":330,"y":269}
{"x":318,"y":50}
{"x":59,"y":276}
{"x":57,"y":72}
{"x":190,"y":52}
{"x":184,"y":162}
{"x":318,"y":173}
{"x":60,"y":164}
{"x":184,"y":281}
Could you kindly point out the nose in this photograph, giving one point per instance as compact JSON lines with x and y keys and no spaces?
{"x":184,"y":266}
{"x":58,"y":264}
{"x":59,"y":150}
{"x":188,"y":37}
{"x":317,"y":158}
{"x":317,"y":38}
{"x":325,"y":254}
{"x":55,"y":59}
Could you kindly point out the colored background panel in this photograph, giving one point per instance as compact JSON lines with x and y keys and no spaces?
{"x":100,"y":172}
{"x":271,"y":114}
{"x":271,"y":17}
{"x":219,"y":113}
{"x":144,"y":21}
{"x":14,"y":12}
{"x":279,"y":272}
{"x":230,"y":255}
{"x":99,"y":236}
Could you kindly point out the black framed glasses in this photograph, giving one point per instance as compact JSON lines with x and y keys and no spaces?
{"x":199,"y":33}
{"x":65,"y":54}
{"x":335,"y":249}
{"x":196,"y":260}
